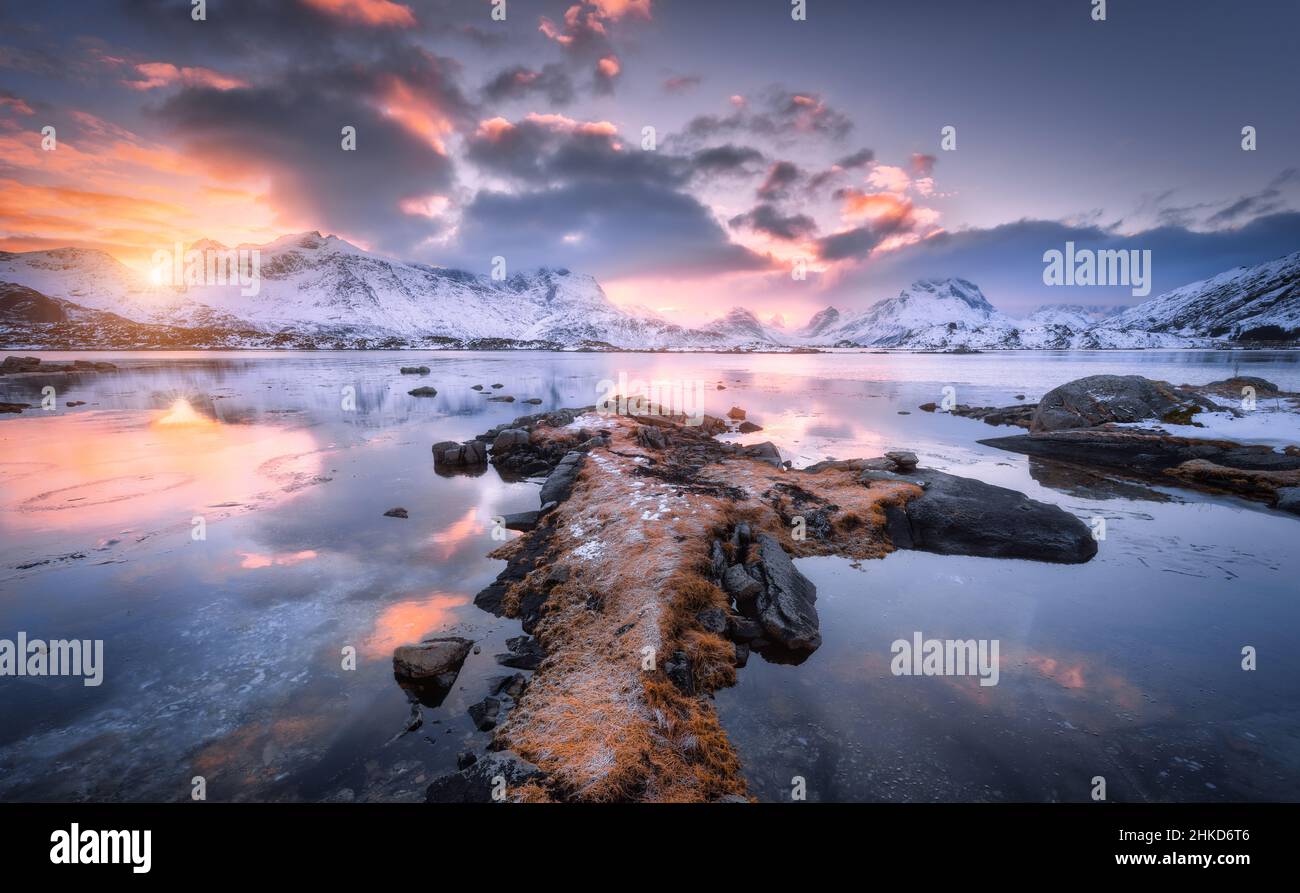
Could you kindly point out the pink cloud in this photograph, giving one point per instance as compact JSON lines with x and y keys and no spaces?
{"x":164,"y":74}
{"x":374,"y":13}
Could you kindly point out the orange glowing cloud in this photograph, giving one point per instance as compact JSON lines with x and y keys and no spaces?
{"x":164,"y":74}
{"x":107,"y":188}
{"x":617,"y":9}
{"x":425,"y":205}
{"x":569,"y":125}
{"x":874,"y":205}
{"x":415,"y":112}
{"x":890,"y":178}
{"x":493,"y":129}
{"x":374,"y":13}
{"x":609,"y":67}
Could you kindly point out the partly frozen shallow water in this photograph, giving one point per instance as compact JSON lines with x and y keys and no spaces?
{"x":223,"y":656}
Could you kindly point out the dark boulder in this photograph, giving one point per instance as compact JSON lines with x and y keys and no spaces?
{"x":961,"y":516}
{"x":785,"y":605}
{"x":559,"y":484}
{"x":485,"y":713}
{"x":1098,"y":399}
{"x":526,"y":653}
{"x":524,"y":521}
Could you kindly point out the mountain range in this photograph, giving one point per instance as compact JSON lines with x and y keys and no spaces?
{"x":321,"y":292}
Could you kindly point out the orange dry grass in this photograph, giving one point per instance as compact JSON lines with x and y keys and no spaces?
{"x":601,"y":726}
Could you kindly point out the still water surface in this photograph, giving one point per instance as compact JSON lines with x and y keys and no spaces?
{"x":224,"y":655}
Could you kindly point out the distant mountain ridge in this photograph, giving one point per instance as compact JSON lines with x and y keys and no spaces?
{"x":320,"y":291}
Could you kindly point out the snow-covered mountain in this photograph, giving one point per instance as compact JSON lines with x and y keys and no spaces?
{"x":932,"y":314}
{"x":741,"y":328}
{"x":1245,"y":303}
{"x":320,"y":291}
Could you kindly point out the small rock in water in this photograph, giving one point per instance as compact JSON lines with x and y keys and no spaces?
{"x":485,"y":713}
{"x":502,"y":399}
{"x":398,"y":512}
{"x":749,"y":428}
{"x":424,"y":392}
{"x":498,"y":385}
{"x":415,"y":370}
{"x":736,"y":413}
{"x":476,"y":387}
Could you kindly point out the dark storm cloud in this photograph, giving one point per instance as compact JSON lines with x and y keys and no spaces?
{"x":778,"y":114}
{"x":727,"y":159}
{"x":625,"y":211}
{"x":519,"y":82}
{"x":781,"y":177}
{"x":1007,"y":261}
{"x":860,"y":241}
{"x":858,"y":159}
{"x":767,"y":219}
{"x":291,"y":134}
{"x":545,"y":151}
{"x":637,"y":229}
{"x":1266,"y":201}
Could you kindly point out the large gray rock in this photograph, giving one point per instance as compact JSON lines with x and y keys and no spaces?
{"x":559,"y":484}
{"x":961,"y":516}
{"x":1098,"y":399}
{"x":785,"y":604}
{"x":438,"y":660}
{"x":509,"y":437}
{"x":449,"y":454}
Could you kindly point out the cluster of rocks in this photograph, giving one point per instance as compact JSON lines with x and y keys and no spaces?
{"x":13,"y":365}
{"x":1102,"y":399}
{"x":1088,"y":422}
{"x":1099,"y":400}
{"x":449,"y":455}
{"x":1019,"y":415}
{"x":774,"y":602}
{"x":427,"y":672}
{"x":415,"y":370}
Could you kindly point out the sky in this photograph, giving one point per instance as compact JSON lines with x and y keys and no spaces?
{"x":693,"y":155}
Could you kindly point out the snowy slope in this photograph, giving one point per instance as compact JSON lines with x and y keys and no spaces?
{"x":322,"y":291}
{"x":323,"y":286}
{"x":930,"y":314}
{"x":1229,"y":305}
